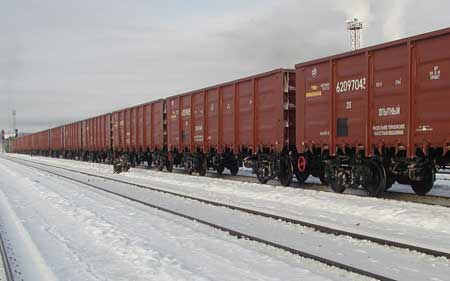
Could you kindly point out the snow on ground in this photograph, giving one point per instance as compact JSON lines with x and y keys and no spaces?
{"x":411,"y":223}
{"x":61,"y":231}
{"x":2,"y":269}
{"x":402,"y":265}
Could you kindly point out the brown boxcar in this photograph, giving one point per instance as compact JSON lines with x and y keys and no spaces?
{"x":72,"y":140}
{"x":56,"y":141}
{"x":139,"y":131}
{"x":41,"y":143}
{"x":96,"y":137}
{"x":376,"y":111}
{"x":24,"y":144}
{"x":232,"y":121}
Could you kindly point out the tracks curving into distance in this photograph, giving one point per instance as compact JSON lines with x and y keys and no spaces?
{"x":232,"y":232}
{"x":433,"y":200}
{"x":316,"y":227}
{"x":71,"y":174}
{"x":5,"y":262}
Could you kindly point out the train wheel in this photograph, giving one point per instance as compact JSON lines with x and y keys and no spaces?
{"x":337,"y":187}
{"x":263,"y":174}
{"x":203,"y":168}
{"x":377,"y":183}
{"x":149,"y":160}
{"x":286,"y":171}
{"x":389,"y":182}
{"x":220,"y":170}
{"x":169,"y":166}
{"x":234,"y":169}
{"x":424,"y":186}
{"x":261,"y":178}
{"x":301,"y":177}
{"x":188,"y":167}
{"x":302,"y":163}
{"x":159,"y":165}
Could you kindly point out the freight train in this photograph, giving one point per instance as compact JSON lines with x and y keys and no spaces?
{"x":366,"y":118}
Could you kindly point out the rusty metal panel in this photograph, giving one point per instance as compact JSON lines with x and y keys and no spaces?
{"x":227,"y":117}
{"x":96,"y":134}
{"x":198,"y":119}
{"x":121,"y":143}
{"x":56,"y":139}
{"x":86,"y":141}
{"x":115,"y":130}
{"x":127,"y":119}
{"x":133,"y":127}
{"x":390,"y":91}
{"x":269,"y":102}
{"x":431,"y":89}
{"x":99,"y":133}
{"x":108,"y":131}
{"x":186,"y":124}
{"x":147,"y":126}
{"x":212,"y":118}
{"x":91,"y":132}
{"x":140,"y":144}
{"x":350,"y":108}
{"x":72,"y":136}
{"x":34,"y":141}
{"x":101,"y":144}
{"x":173,"y":122}
{"x":331,"y":102}
{"x":394,"y":94}
{"x":245,"y":113}
{"x":83,"y":134}
{"x":42,"y":140}
{"x":157,"y":125}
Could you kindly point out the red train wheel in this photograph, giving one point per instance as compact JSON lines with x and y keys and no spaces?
{"x":301,"y":163}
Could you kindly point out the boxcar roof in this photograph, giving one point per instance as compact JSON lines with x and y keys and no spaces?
{"x":377,"y":47}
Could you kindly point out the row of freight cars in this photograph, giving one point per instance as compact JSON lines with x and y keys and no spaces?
{"x":364,"y":118}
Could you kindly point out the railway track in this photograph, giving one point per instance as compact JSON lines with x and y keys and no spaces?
{"x":230,"y":231}
{"x":433,"y":200}
{"x":6,"y":272}
{"x":233,"y":232}
{"x":259,"y":213}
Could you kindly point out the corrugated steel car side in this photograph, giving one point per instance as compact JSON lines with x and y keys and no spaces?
{"x":72,"y":137}
{"x":139,"y":128}
{"x":239,"y":118}
{"x":96,"y":133}
{"x":390,"y":100}
{"x":57,"y":139}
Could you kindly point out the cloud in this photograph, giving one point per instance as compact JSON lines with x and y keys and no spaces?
{"x":62,"y":61}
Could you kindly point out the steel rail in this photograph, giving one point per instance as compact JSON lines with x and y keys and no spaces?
{"x":390,"y":195}
{"x":316,"y":227}
{"x":232,"y":232}
{"x":6,"y":265}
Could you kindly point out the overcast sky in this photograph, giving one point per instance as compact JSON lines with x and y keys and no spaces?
{"x":65,"y":60}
